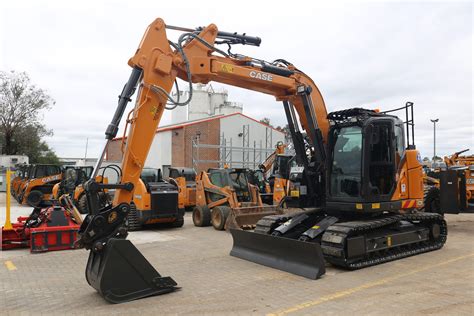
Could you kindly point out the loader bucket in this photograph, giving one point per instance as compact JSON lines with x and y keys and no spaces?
{"x":290,"y":255}
{"x":120,"y":273}
{"x":246,"y":217}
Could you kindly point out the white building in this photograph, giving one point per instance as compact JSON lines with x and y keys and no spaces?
{"x":9,"y":161}
{"x":205,"y":102}
{"x":233,"y":139}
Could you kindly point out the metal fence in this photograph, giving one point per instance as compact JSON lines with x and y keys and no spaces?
{"x":209,"y":155}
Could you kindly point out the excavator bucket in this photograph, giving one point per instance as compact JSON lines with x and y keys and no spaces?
{"x":290,"y":255}
{"x":120,"y":273}
{"x":246,"y":217}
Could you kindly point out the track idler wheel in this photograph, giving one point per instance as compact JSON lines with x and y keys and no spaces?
{"x":120,"y":273}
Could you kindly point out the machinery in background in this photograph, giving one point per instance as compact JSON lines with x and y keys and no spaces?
{"x":73,"y":181}
{"x":45,"y":229}
{"x":260,"y":177}
{"x":272,"y":177}
{"x":451,"y":190}
{"x":155,"y":201}
{"x":185,"y":179}
{"x":73,"y":177}
{"x":226,"y":199}
{"x":37,"y":184}
{"x":20,"y":176}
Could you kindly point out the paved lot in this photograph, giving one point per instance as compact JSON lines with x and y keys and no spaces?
{"x":440,"y":282}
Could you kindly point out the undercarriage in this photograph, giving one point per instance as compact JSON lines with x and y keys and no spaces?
{"x":349,"y":244}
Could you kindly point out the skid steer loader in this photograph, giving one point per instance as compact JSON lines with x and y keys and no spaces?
{"x":226,"y":199}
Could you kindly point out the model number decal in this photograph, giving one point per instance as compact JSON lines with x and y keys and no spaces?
{"x":261,"y":75}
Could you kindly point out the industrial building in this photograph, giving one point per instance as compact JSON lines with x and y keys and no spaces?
{"x":209,"y":132}
{"x":206,"y":101}
{"x":233,"y":139}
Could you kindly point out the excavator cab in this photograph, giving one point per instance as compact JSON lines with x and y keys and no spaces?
{"x":236,"y":178}
{"x":366,"y":149}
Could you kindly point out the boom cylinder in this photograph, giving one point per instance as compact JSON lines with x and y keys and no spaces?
{"x":124,"y":98}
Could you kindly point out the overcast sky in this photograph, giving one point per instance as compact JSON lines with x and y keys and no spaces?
{"x":375,"y":55}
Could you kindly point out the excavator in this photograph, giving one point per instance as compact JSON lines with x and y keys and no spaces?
{"x":357,"y":173}
{"x":275,"y":170}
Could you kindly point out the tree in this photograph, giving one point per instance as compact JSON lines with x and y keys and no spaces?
{"x":265,"y":121}
{"x":21,"y":129}
{"x":286,"y":130}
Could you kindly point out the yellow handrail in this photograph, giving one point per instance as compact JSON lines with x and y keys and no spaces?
{"x":8,"y":223}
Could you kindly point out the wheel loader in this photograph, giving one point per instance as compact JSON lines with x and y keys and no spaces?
{"x":226,"y":199}
{"x":361,"y":176}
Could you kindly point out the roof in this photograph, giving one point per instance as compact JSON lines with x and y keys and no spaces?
{"x":207,"y":119}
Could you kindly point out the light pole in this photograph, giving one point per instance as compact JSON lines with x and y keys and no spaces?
{"x":434,"y":137}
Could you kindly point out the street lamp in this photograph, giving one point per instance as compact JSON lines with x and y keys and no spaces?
{"x":434,"y":137}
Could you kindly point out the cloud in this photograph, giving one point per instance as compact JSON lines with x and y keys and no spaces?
{"x":377,"y":55}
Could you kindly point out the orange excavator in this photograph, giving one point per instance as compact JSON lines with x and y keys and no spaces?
{"x":358,"y":181}
{"x":276,"y":169}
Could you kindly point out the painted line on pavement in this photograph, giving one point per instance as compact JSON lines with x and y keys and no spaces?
{"x":10,"y":266}
{"x":365,"y":286}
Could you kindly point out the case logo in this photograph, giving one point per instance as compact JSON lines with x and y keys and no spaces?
{"x":261,"y":75}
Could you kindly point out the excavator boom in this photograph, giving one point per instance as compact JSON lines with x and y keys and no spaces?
{"x":156,"y":64}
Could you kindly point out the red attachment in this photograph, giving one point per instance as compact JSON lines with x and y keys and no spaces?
{"x":55,"y":229}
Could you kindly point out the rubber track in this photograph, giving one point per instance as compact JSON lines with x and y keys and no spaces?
{"x":334,"y":240}
{"x":268,"y":223}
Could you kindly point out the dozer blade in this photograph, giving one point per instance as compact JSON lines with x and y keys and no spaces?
{"x":120,"y":273}
{"x":290,"y":255}
{"x":247,"y":217}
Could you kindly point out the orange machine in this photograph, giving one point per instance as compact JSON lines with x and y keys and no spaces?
{"x":155,"y":201}
{"x":276,"y":169}
{"x":38,"y":184}
{"x":185,"y":180}
{"x":20,"y":176}
{"x":226,"y":199}
{"x":360,"y":181}
{"x":452,"y":190}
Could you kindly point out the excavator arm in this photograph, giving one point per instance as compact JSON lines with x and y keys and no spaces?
{"x":156,"y":64}
{"x":270,"y":160}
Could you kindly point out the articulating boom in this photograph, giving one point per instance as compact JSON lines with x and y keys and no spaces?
{"x":156,"y":65}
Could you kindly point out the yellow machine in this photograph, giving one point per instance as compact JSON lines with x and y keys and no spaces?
{"x":226,"y":199}
{"x":359,"y":181}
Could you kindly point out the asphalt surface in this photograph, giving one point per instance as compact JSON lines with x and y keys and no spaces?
{"x":214,"y":283}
